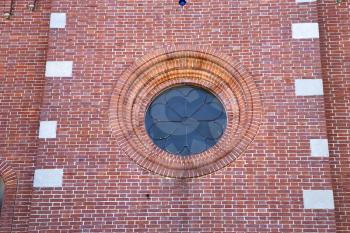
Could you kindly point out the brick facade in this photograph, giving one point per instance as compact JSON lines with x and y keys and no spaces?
{"x":335,"y":55}
{"x":191,"y":65}
{"x":59,"y":97}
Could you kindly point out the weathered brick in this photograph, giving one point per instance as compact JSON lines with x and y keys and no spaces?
{"x":259,"y":190}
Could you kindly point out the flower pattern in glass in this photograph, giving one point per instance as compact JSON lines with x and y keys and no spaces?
{"x":186,"y":120}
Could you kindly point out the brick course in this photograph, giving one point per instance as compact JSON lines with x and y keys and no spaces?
{"x":106,"y":191}
{"x":335,"y":51}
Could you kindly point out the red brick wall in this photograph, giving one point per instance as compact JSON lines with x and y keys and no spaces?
{"x":335,"y":50}
{"x":105,"y":191}
{"x":23,"y":46}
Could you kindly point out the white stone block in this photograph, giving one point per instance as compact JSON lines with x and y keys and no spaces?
{"x":308,"y":87}
{"x":47,"y":129}
{"x":319,"y":147}
{"x":58,"y":20}
{"x":305,"y":30}
{"x":48,"y":178}
{"x":302,"y":1}
{"x":59,"y":69}
{"x":318,"y":199}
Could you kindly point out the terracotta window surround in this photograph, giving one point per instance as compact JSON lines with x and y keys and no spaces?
{"x":186,"y":65}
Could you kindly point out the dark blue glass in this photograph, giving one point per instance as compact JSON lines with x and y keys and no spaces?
{"x":182,"y":2}
{"x":186,"y":120}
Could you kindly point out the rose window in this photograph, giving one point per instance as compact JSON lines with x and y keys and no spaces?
{"x":185,"y":120}
{"x":184,"y":111}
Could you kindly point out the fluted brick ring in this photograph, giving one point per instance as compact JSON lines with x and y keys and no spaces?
{"x":165,"y":68}
{"x":10,"y":179}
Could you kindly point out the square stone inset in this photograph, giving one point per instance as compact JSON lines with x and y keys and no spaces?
{"x":48,"y":178}
{"x":319,"y":147}
{"x":318,"y":199}
{"x":59,"y":69}
{"x":58,"y":20}
{"x":308,"y":87}
{"x":47,"y":129}
{"x":305,"y":30}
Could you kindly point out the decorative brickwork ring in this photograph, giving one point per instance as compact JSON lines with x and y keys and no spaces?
{"x":141,"y":83}
{"x":10,"y":179}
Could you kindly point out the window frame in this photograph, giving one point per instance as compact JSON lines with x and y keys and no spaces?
{"x":164,"y":68}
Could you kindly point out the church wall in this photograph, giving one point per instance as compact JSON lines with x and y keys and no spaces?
{"x":64,"y":61}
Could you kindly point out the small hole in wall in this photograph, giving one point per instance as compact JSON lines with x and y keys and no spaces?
{"x":148,"y":196}
{"x":182,"y":2}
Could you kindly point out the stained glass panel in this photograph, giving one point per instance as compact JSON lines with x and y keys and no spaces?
{"x":186,"y":120}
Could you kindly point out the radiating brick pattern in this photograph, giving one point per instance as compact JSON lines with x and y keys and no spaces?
{"x":191,"y":65}
{"x":10,"y":180}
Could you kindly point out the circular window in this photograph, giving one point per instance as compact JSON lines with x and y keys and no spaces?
{"x":185,"y":120}
{"x":184,"y":111}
